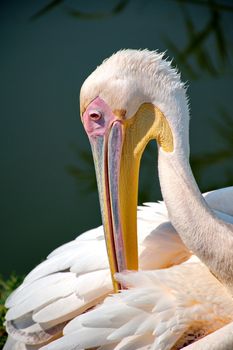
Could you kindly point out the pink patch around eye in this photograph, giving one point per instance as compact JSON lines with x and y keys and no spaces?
{"x":98,"y":117}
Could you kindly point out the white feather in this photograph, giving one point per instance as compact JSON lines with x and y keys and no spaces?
{"x":179,"y":302}
{"x":13,"y":344}
{"x":54,"y":297}
{"x":38,"y":297}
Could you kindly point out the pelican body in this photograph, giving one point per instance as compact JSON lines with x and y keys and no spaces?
{"x":133,"y":97}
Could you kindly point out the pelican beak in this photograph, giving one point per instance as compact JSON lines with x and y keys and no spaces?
{"x":116,"y":185}
{"x":117,"y":146}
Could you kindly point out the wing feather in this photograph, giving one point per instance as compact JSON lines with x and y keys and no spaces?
{"x":38,"y":297}
{"x":47,"y":296}
{"x":159,"y":310}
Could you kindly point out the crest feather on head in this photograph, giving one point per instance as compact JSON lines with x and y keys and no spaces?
{"x":129,"y":78}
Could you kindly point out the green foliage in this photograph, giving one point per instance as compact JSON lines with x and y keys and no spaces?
{"x":119,"y":7}
{"x":48,"y":8}
{"x":195,"y":57}
{"x":6,"y":287}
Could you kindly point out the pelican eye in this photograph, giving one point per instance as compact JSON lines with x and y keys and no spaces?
{"x":95,"y":115}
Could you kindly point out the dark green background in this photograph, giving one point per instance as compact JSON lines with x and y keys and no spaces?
{"x":43,"y":63}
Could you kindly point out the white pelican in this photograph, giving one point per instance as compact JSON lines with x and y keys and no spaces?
{"x":131,"y":98}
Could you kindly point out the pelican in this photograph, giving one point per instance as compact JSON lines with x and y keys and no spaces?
{"x":133,"y":97}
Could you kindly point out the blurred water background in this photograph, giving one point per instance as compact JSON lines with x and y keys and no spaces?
{"x":47,"y":187}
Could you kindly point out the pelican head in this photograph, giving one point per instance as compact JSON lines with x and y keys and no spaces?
{"x":131,"y":98}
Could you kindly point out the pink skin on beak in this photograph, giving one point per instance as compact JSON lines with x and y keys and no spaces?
{"x":105,"y":133}
{"x":97,"y":118}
